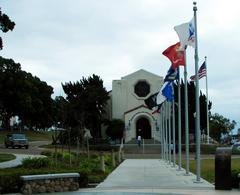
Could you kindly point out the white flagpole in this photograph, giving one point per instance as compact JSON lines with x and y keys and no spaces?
{"x":161,"y":132}
{"x":173,"y":126}
{"x":163,"y":129}
{"x":169,"y":130}
{"x":179,"y":124}
{"x":207,"y":102}
{"x":198,"y":138}
{"x":186,"y":115}
{"x":166,"y":132}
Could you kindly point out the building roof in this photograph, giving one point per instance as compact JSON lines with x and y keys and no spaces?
{"x":141,"y":72}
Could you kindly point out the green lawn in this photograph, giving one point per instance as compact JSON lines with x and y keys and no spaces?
{"x":6,"y":157}
{"x":31,"y":135}
{"x":208,"y":168}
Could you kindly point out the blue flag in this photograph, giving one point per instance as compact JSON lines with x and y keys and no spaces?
{"x":167,"y":91}
{"x":172,"y":74}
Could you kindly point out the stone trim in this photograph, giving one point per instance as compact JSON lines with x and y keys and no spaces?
{"x":50,"y":183}
{"x":49,"y":176}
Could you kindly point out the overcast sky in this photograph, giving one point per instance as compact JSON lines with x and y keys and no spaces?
{"x":64,"y":40}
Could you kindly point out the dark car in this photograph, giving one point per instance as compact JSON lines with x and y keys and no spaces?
{"x":16,"y":140}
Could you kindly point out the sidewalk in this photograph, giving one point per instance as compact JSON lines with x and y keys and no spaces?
{"x":17,"y":161}
{"x":151,"y":173}
{"x":152,"y":176}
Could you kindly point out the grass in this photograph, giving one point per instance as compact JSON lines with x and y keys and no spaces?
{"x":208,"y":168}
{"x":31,"y":135}
{"x":6,"y":157}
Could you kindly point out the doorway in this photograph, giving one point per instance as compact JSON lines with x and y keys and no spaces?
{"x":143,"y":128}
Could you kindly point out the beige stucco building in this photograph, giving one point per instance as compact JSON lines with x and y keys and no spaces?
{"x":127,"y":103}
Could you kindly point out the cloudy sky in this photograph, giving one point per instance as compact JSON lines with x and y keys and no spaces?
{"x":64,"y":40}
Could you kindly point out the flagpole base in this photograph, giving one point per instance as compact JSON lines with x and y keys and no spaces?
{"x":196,"y":181}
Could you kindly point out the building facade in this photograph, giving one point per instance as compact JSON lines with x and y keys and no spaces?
{"x":127,"y":103}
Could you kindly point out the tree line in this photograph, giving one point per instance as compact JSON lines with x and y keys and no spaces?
{"x":219,"y":125}
{"x":26,"y":96}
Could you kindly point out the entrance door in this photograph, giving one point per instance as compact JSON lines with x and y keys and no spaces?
{"x":143,"y":128}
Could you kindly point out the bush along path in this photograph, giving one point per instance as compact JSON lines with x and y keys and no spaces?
{"x":92,"y":170}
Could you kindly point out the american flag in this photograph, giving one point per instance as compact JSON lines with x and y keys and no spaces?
{"x":201,"y":72}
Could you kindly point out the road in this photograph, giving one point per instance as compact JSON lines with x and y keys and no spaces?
{"x":33,"y":148}
{"x":21,"y":153}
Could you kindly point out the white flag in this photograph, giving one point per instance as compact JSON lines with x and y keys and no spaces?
{"x":160,"y":97}
{"x":186,"y":34}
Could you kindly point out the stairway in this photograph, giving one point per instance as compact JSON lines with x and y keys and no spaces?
{"x":151,"y":146}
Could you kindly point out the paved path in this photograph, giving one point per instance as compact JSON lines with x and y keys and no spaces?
{"x":33,"y":148}
{"x":151,"y":173}
{"x":17,"y":161}
{"x":32,"y":151}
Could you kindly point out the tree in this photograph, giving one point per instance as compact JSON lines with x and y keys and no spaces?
{"x":87,"y":99}
{"x":5,"y":25}
{"x":60,"y":110}
{"x":220,"y":125}
{"x":39,"y":92}
{"x":24,"y":95}
{"x":191,"y":108}
{"x":115,"y":129}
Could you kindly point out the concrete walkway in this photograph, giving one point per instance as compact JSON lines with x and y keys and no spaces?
{"x":151,"y":173}
{"x":17,"y":161}
{"x":152,"y":176}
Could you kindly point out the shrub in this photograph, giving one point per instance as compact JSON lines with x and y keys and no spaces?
{"x":108,"y":159}
{"x":235,"y":179}
{"x":97,"y":178}
{"x":103,"y":148}
{"x":208,"y":149}
{"x":205,"y":148}
{"x":67,"y":156}
{"x":83,"y":180}
{"x":36,"y":162}
{"x":115,"y":129}
{"x":235,"y":150}
{"x":59,"y":155}
{"x":90,"y":166}
{"x":14,"y":183}
{"x":46,"y":153}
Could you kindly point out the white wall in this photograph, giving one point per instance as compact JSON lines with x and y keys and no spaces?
{"x":124,"y":99}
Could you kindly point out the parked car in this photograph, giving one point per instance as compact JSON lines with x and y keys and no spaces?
{"x":16,"y":140}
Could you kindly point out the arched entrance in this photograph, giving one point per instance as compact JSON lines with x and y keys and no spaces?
{"x":143,"y":124}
